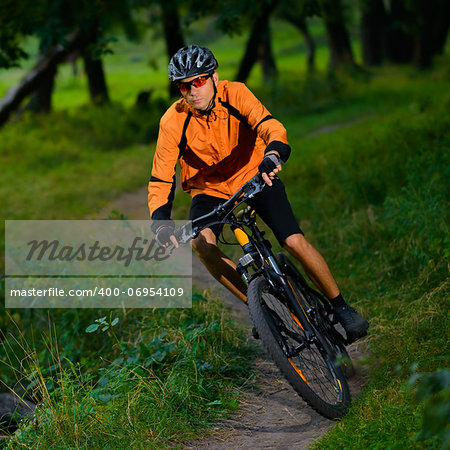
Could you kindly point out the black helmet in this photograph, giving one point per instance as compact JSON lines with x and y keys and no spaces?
{"x":190,"y":61}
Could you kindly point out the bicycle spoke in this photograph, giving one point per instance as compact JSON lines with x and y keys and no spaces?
{"x":309,"y":362}
{"x":294,"y":339}
{"x":321,"y":381}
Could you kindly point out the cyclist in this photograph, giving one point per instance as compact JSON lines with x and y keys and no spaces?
{"x":221,"y":135}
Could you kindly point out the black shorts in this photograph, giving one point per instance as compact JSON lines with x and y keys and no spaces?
{"x":272,"y":205}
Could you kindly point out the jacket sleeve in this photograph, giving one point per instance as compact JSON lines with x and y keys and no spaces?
{"x":270,"y":130}
{"x":161,"y":188}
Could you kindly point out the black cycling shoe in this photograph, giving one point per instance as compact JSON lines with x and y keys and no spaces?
{"x":354,"y":325}
{"x":255,"y":333}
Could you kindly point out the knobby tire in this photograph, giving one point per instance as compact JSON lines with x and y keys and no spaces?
{"x":310,"y":298}
{"x":313,"y":372}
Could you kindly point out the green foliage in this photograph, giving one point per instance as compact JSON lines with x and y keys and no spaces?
{"x":433,"y":389}
{"x":160,"y":376}
{"x":51,"y":21}
{"x":231,"y":16}
{"x":16,"y":19}
{"x":379,"y":191}
{"x":102,"y":322}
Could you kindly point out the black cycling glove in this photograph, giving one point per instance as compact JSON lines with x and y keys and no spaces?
{"x":163,"y":234}
{"x":269,"y":163}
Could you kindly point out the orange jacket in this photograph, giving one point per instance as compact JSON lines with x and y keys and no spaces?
{"x":217,"y":153}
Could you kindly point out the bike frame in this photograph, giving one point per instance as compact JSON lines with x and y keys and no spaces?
{"x":308,"y":331}
{"x":257,"y":250}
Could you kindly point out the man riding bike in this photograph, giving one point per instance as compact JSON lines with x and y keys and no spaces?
{"x":222,"y":135}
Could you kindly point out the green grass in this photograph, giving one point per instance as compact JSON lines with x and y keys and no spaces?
{"x":158,"y":377}
{"x":67,"y":165}
{"x":379,"y":195}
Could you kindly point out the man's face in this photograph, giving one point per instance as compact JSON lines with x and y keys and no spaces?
{"x":200,"y":97}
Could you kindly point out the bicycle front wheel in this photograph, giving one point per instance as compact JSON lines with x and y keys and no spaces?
{"x":309,"y":365}
{"x":310,"y":299}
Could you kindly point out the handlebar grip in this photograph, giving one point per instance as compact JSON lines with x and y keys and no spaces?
{"x":187,"y":232}
{"x":184,"y":233}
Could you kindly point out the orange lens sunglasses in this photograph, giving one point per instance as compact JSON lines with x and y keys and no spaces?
{"x":200,"y":81}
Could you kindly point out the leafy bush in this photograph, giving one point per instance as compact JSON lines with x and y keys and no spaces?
{"x":433,"y":390}
{"x":163,"y":375}
{"x":381,"y":214}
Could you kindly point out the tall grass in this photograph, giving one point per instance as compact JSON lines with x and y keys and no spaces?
{"x":162,"y":376}
{"x":61,"y":166}
{"x":375,"y":199}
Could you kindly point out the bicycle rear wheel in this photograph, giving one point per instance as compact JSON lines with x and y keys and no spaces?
{"x":310,"y":367}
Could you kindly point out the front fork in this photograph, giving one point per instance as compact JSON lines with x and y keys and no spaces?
{"x":277,"y":281}
{"x":248,"y":259}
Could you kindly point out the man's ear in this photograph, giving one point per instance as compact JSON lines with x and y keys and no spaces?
{"x":215,"y":78}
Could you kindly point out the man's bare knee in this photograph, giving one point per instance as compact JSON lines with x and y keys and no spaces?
{"x":297,"y":243}
{"x":204,"y":243}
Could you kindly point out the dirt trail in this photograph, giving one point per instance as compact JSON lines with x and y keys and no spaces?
{"x":271,"y":415}
{"x":337,"y":126}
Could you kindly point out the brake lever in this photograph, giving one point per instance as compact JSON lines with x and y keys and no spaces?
{"x":182,"y":235}
{"x":257,"y":184}
{"x":185,"y":233}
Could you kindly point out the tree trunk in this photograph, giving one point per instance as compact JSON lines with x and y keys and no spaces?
{"x":422,"y":39}
{"x":433,"y":19}
{"x":41,"y":98}
{"x":251,"y":51}
{"x":373,"y":32}
{"x":38,"y":73}
{"x":341,"y":52}
{"x":173,"y":33}
{"x":310,"y":46}
{"x":260,"y":27}
{"x":266,"y":56}
{"x":399,"y":47}
{"x":418,"y":30}
{"x":432,"y":32}
{"x":96,"y":78}
{"x":441,"y":27}
{"x":337,"y":34}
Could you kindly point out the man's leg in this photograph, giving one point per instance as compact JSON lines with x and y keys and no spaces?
{"x":218,"y":264}
{"x":318,"y":271}
{"x":313,"y":263}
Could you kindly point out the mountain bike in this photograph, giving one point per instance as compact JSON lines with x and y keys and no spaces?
{"x":293,"y":320}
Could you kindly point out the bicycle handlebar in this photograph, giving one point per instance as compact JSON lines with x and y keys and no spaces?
{"x":248,"y":190}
